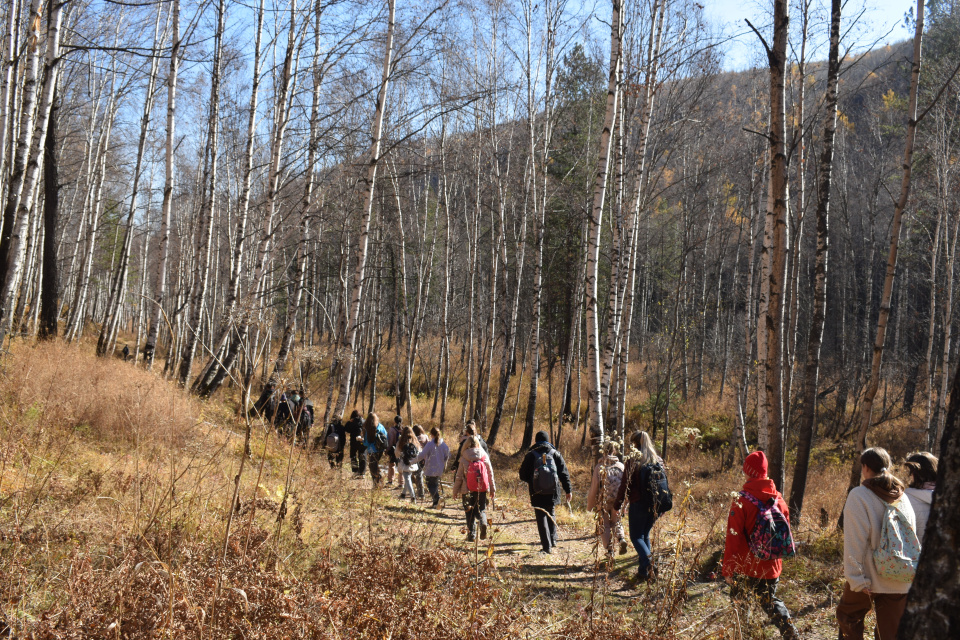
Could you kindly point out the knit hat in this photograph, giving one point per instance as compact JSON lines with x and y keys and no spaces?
{"x":755,"y":465}
{"x":542,"y":436}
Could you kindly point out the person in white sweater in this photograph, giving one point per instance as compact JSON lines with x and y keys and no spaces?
{"x":922,"y":467}
{"x":863,"y":517}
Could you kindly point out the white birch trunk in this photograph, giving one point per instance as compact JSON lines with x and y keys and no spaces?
{"x":356,"y":294}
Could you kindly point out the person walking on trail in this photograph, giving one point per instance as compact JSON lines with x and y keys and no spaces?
{"x":422,"y":440}
{"x":922,"y":468}
{"x":393,"y":436}
{"x":544,"y":470}
{"x":752,"y":557}
{"x":469,"y":429}
{"x":303,"y":414}
{"x":604,"y":487}
{"x":643,"y":486}
{"x":334,"y":441}
{"x":880,"y":550}
{"x":406,"y":452}
{"x":354,"y":433}
{"x":375,"y":443}
{"x":433,"y":457}
{"x":474,"y":481}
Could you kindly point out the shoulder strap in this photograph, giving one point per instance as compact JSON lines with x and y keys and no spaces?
{"x":754,"y":500}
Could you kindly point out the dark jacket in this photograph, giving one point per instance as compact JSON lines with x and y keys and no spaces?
{"x":636,"y":486}
{"x":354,"y":430}
{"x":529,"y":464}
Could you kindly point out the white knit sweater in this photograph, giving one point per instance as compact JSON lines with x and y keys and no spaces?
{"x":862,"y":521}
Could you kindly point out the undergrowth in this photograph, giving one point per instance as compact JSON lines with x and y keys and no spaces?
{"x":118,"y":520}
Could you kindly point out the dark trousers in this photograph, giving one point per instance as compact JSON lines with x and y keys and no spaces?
{"x":854,"y":606}
{"x":764,"y":591}
{"x":641,"y":520}
{"x":358,"y":457}
{"x":373,"y":461}
{"x":475,"y":507}
{"x":433,"y":486}
{"x":544,"y":511}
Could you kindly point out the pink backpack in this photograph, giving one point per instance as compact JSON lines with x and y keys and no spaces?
{"x":478,"y":477}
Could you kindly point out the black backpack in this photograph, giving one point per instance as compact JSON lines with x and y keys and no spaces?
{"x":408,"y":454}
{"x":660,"y":494}
{"x":545,"y":478}
{"x":379,"y":440}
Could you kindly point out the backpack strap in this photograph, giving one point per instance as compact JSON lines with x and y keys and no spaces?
{"x":755,"y":501}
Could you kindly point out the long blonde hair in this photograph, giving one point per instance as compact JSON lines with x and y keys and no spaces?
{"x":644,"y":451}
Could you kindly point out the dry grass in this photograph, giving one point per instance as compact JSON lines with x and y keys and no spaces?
{"x":115,"y":494}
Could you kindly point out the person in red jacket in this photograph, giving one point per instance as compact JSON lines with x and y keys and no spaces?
{"x":747,"y":574}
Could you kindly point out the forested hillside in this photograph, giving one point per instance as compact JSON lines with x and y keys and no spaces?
{"x":520,"y":213}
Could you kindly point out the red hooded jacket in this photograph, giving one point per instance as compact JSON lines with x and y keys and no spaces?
{"x":737,"y":557}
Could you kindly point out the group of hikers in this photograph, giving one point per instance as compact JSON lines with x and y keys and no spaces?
{"x":884,"y":521}
{"x":884,"y":518}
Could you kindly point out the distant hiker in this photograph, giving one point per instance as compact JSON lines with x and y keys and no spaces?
{"x":880,"y":550}
{"x":303,"y":415}
{"x":758,"y":538}
{"x":283,"y":414}
{"x":544,"y":470}
{"x":393,"y":435}
{"x":422,"y":439}
{"x":604,"y":487}
{"x":406,"y":452}
{"x":354,"y":432}
{"x":474,"y":481}
{"x":469,"y":429}
{"x":375,"y":443}
{"x":126,"y":352}
{"x":645,"y":488}
{"x":334,"y":442}
{"x":922,"y":467}
{"x":434,"y":456}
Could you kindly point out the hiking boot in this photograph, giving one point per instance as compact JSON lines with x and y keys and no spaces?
{"x":471,"y":537}
{"x":483,"y":532}
{"x":435,"y":504}
{"x":623,"y":547}
{"x":790,"y":633}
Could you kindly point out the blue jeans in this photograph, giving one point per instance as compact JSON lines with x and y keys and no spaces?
{"x":641,"y":521}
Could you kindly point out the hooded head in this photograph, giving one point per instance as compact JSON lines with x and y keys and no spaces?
{"x":542,"y":436}
{"x":755,"y":465}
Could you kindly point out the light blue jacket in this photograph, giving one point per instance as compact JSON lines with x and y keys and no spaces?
{"x":372,"y":446}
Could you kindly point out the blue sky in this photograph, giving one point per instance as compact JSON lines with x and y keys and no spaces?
{"x":881,"y":22}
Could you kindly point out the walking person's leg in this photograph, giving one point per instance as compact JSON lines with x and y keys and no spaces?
{"x":774,"y":607}
{"x":889,"y":608}
{"x":408,"y":485}
{"x":418,"y":482}
{"x":541,"y":514}
{"x":605,"y":529}
{"x":616,"y":526}
{"x":470,"y":509}
{"x":482,"y":513}
{"x":552,"y":523}
{"x":433,"y":486}
{"x":852,"y":609}
{"x":373,"y":461}
{"x":639,"y":518}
